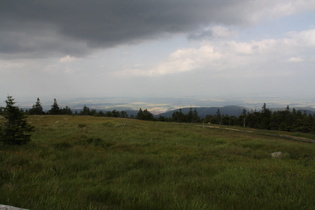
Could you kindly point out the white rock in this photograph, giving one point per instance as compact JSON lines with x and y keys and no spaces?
{"x":5,"y":207}
{"x":276,"y":154}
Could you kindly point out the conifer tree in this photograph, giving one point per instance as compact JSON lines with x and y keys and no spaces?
{"x":85,"y":110}
{"x":140,"y":115}
{"x":37,"y":108}
{"x":54,"y":108}
{"x":123,"y":114}
{"x":195,"y":116}
{"x":15,"y":130}
{"x":218,"y":116}
{"x":115,"y":113}
{"x":147,"y":115}
{"x":65,"y":110}
{"x":190,"y":115}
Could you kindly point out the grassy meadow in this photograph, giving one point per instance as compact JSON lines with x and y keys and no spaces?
{"x":83,"y":162}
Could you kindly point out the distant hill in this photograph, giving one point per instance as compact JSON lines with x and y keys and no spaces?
{"x":203,"y":111}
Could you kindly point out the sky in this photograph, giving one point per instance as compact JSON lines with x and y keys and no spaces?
{"x":158,"y":49}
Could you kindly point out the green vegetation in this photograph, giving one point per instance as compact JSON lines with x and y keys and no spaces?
{"x":282,"y":120}
{"x":84,"y":162}
{"x":14,"y":130}
{"x":144,"y":115}
{"x":37,"y":108}
{"x":191,"y":116}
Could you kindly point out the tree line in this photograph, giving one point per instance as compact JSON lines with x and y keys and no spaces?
{"x":178,"y":116}
{"x":291,"y":120}
{"x":285,"y":120}
{"x":37,"y":109}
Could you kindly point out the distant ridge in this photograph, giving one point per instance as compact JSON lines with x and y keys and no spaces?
{"x":203,"y":111}
{"x":229,"y":110}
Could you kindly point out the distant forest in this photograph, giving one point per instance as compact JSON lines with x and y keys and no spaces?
{"x":283,"y":120}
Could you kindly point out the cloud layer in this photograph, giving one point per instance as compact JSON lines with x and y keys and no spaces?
{"x":44,"y":28}
{"x":244,"y":56}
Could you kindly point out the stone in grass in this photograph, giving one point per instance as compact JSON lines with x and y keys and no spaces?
{"x":276,"y":154}
{"x":5,"y":207}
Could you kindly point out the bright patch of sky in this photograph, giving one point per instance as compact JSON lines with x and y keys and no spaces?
{"x":278,"y":27}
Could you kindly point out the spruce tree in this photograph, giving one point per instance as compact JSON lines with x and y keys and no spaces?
{"x":140,"y":115}
{"x":178,"y":116}
{"x":147,"y":115}
{"x":190,"y":115}
{"x":65,"y":110}
{"x":218,"y":117}
{"x":85,"y":111}
{"x":15,"y":130}
{"x":54,"y":108}
{"x":37,"y":108}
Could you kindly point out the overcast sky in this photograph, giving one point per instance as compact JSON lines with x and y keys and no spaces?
{"x":164,"y":48}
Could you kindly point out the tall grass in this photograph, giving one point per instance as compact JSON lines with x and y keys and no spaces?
{"x":82,"y":162}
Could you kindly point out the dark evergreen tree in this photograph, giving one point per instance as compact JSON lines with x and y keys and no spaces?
{"x":147,"y":115}
{"x":100,"y":114}
{"x":208,"y":118}
{"x":123,"y":114}
{"x":37,"y":108}
{"x":265,"y":117}
{"x":85,"y":111}
{"x":115,"y":113}
{"x":140,"y":115}
{"x":93,"y":112}
{"x":190,"y":115}
{"x":225,"y":120}
{"x":162,"y":118}
{"x":108,"y":114}
{"x":195,"y":116}
{"x":66,"y":111}
{"x":242,"y":118}
{"x":144,"y":115}
{"x":54,"y":108}
{"x":15,"y":130}
{"x":178,"y":116}
{"x":217,"y":118}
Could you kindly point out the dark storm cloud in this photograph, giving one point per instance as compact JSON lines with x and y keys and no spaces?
{"x":42,"y":27}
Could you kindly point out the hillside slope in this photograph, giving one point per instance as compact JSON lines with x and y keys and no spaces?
{"x":84,"y":162}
